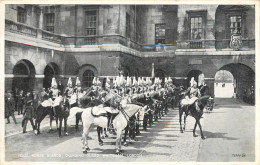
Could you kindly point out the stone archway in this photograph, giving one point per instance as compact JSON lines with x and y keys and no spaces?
{"x":244,"y":77}
{"x":224,"y":84}
{"x":24,"y":75}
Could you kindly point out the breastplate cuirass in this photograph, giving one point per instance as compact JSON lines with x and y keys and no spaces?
{"x":193,"y":92}
{"x":70,"y":91}
{"x":55,"y":92}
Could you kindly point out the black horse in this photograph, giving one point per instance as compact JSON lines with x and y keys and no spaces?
{"x":60,"y":112}
{"x":40,"y":114}
{"x":195,"y":110}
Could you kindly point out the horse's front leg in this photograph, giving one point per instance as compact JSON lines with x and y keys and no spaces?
{"x":86,"y":128}
{"x":180,"y":119}
{"x":105,"y":132}
{"x":59,"y":129}
{"x":65,"y":126}
{"x":184,"y":125}
{"x":51,"y":122}
{"x":118,"y":140}
{"x":202,"y":136}
{"x":99,"y":129}
{"x":126,"y":132}
{"x":194,"y":129}
{"x":57,"y":126}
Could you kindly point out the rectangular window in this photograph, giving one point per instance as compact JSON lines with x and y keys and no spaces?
{"x":127,"y":30}
{"x":91,"y":22}
{"x":21,"y":15}
{"x":49,"y":22}
{"x":159,"y":34}
{"x":196,"y":28}
{"x":235,"y":25}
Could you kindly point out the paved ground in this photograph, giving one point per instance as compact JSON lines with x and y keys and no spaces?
{"x":229,"y":130}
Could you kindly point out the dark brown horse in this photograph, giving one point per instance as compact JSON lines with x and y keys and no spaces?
{"x":61,"y":112}
{"x":195,"y":110}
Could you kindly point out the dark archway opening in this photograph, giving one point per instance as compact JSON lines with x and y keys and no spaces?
{"x":24,"y":76}
{"x":161,"y":74}
{"x":50,"y":71}
{"x":193,"y":73}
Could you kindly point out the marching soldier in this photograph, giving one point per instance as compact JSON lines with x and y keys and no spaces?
{"x":9,"y":107}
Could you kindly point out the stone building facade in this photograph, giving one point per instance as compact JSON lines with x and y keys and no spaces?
{"x":183,"y":41}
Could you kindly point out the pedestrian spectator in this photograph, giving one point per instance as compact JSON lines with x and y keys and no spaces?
{"x":20,"y":102}
{"x":60,"y":87}
{"x":9,"y":107}
{"x":16,"y":94}
{"x":35,"y":101}
{"x":28,"y":112}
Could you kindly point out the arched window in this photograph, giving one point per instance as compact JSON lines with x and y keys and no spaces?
{"x":87,"y":78}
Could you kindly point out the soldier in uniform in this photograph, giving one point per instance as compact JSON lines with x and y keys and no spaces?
{"x":69,"y":91}
{"x":9,"y":107}
{"x":29,"y":112}
{"x":192,"y":93}
{"x":54,"y":93}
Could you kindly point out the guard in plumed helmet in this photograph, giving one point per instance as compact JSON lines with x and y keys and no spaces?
{"x":192,"y":93}
{"x":69,"y":89}
{"x":80,"y":93}
{"x":54,"y":91}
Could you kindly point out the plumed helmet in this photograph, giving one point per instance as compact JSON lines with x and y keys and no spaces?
{"x":94,"y":82}
{"x":53,"y":82}
{"x":77,"y":81}
{"x":107,"y":85}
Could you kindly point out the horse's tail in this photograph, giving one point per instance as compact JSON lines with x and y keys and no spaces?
{"x":74,"y":111}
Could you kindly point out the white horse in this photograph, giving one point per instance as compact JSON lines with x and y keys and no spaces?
{"x":97,"y":116}
{"x":119,"y":122}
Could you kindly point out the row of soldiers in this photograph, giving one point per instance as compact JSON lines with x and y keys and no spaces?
{"x":27,"y":104}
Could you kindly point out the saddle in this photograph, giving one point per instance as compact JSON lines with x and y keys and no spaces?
{"x":98,"y":111}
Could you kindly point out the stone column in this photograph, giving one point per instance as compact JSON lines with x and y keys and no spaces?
{"x":41,"y":19}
